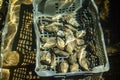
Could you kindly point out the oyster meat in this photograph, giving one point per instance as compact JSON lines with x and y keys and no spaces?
{"x":70,"y":47}
{"x":53,"y":27}
{"x":50,"y":43}
{"x":69,"y":38}
{"x":80,"y":34}
{"x":72,"y":59}
{"x":10,"y":58}
{"x":84,"y":63}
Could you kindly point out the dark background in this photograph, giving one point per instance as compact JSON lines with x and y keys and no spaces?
{"x":114,"y":23}
{"x":114,"y":27}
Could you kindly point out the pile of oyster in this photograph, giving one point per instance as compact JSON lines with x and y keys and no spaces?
{"x":62,"y":44}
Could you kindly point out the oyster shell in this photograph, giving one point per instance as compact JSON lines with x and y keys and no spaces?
{"x":84,"y":63}
{"x":73,"y":22}
{"x":60,"y":43}
{"x":5,"y":74}
{"x":71,"y":27}
{"x":60,"y":52}
{"x":70,"y":47}
{"x":74,"y":67}
{"x":53,"y":27}
{"x":45,"y":57}
{"x":72,"y":59}
{"x":50,"y":43}
{"x":61,"y":33}
{"x":10,"y":58}
{"x":80,"y":34}
{"x":69,"y":38}
{"x":63,"y":68}
{"x":53,"y":61}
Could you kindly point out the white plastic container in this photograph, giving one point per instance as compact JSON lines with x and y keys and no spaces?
{"x":57,"y":9}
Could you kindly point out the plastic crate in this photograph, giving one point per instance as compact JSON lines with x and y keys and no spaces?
{"x":86,"y":14}
{"x":23,"y":43}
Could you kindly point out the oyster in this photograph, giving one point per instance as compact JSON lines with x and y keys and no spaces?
{"x":50,"y":43}
{"x":27,"y":2}
{"x":78,"y":49}
{"x":53,"y":61}
{"x":56,"y":17}
{"x":67,"y":17}
{"x":70,"y":47}
{"x":45,"y":39}
{"x":84,"y":63}
{"x":68,"y":31}
{"x":74,"y":67}
{"x":79,"y":42}
{"x":5,"y":74}
{"x":63,"y":68}
{"x":60,"y":52}
{"x":60,"y":43}
{"x":80,"y":53}
{"x":80,"y":34}
{"x":69,"y":38}
{"x":45,"y":57}
{"x":43,"y":66}
{"x":72,"y":58}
